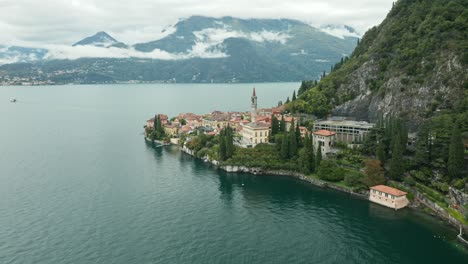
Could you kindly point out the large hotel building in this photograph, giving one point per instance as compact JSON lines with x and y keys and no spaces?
{"x":351,"y":132}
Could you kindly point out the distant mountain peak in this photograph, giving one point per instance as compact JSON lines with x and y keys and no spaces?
{"x":100,"y":39}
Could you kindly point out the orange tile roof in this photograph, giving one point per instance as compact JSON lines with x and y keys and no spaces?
{"x":389,"y":190}
{"x":324,"y":133}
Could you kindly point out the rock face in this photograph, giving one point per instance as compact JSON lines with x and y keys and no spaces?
{"x":401,"y":94}
{"x":414,"y":64}
{"x":459,"y":198}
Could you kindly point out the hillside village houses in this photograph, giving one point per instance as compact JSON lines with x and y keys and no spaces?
{"x":254,"y":127}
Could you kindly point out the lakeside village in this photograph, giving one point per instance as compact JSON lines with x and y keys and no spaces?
{"x":330,"y":152}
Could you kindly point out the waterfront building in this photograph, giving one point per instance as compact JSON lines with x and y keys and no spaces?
{"x":324,"y":139}
{"x":348,"y":131}
{"x":255,"y":132}
{"x":388,"y":196}
{"x":171,"y":130}
{"x":150,"y":123}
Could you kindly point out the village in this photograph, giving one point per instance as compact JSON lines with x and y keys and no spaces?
{"x":254,"y":127}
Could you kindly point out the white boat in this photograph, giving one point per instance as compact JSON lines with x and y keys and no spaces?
{"x":13,"y":100}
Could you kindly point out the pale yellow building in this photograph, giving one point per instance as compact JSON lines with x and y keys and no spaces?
{"x":171,"y":130}
{"x":254,"y":133}
{"x":388,"y":196}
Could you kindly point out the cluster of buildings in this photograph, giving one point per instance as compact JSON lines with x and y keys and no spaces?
{"x":254,"y":128}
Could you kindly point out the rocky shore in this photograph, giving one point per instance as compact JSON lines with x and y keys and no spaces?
{"x":292,"y":174}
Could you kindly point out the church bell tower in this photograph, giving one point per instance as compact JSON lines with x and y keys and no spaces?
{"x":253,"y":111}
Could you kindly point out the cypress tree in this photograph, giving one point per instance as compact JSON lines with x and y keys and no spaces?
{"x":381,"y":152}
{"x":229,"y":137}
{"x":303,"y":161}
{"x":423,"y":146}
{"x":318,"y":157}
{"x":403,"y":133}
{"x":285,"y":147}
{"x":396,"y":164}
{"x":309,"y":146}
{"x":302,"y":89}
{"x":456,"y":154}
{"x":287,"y":100}
{"x":292,"y":141}
{"x":282,"y":124}
{"x":298,"y":136}
{"x":222,"y":145}
{"x":274,"y":126}
{"x":294,"y":96}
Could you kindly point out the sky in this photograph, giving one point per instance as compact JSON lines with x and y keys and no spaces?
{"x":64,"y":22}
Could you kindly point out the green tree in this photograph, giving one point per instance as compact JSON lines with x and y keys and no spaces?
{"x":423,"y":154}
{"x":373,"y":173}
{"x":294,"y":96}
{"x":274,"y":126}
{"x":229,"y":138}
{"x":298,"y":136}
{"x":318,"y":157}
{"x":396,"y":164}
{"x":456,"y":154}
{"x":282,"y":124}
{"x":222,"y":145}
{"x":292,"y":141}
{"x":330,"y":171}
{"x":352,"y":179}
{"x":285,"y":146}
{"x":306,"y":156}
{"x":381,"y":152}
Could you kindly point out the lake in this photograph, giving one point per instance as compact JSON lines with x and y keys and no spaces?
{"x":78,"y":184}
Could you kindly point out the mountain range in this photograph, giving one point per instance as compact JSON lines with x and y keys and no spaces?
{"x":195,"y":49}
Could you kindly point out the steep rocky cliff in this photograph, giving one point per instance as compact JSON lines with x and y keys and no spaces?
{"x":413,"y":64}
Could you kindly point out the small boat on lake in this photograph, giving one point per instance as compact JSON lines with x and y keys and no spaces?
{"x":13,"y":100}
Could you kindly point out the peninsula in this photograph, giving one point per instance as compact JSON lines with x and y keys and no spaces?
{"x":331,"y":152}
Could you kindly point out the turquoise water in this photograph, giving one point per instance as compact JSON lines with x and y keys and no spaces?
{"x":78,"y":184}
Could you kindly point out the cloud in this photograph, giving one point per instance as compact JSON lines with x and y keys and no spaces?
{"x":65,"y":22}
{"x":270,"y":36}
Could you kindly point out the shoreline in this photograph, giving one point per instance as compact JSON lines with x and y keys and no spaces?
{"x":419,"y":203}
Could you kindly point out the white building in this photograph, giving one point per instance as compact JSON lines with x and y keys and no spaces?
{"x":348,"y":131}
{"x":324,"y":140}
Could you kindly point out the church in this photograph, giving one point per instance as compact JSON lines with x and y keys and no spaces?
{"x":255,"y":132}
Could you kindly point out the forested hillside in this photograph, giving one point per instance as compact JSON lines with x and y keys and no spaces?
{"x":414,"y":65}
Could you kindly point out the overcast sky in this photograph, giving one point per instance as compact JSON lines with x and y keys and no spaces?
{"x":131,"y":21}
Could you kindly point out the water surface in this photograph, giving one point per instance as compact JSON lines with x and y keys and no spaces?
{"x":78,"y":184}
